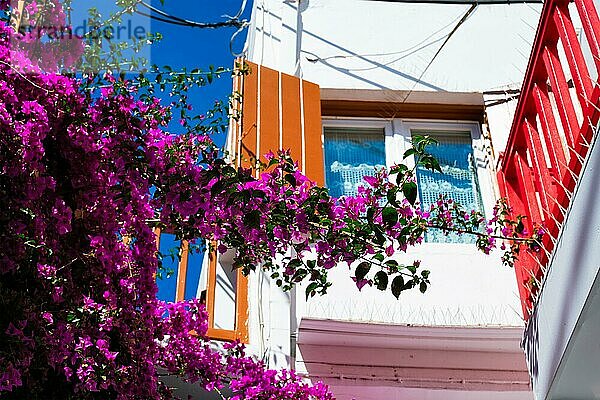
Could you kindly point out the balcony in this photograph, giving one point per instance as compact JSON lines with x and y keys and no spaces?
{"x":550,"y":172}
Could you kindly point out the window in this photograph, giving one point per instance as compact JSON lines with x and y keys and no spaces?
{"x":355,"y":148}
{"x":458,"y":181}
{"x":227,"y":299}
{"x":179,"y":277}
{"x":186,"y":274}
{"x":350,"y":155}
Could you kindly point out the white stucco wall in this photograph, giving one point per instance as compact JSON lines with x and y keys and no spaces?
{"x":388,"y":46}
{"x":370,"y":44}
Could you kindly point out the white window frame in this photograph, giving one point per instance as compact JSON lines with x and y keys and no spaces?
{"x":398,"y":138}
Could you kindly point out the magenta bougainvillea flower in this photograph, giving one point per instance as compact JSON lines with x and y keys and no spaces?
{"x":85,"y":175}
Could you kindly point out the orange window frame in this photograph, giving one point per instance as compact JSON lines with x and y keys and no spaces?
{"x":240,"y":332}
{"x":241,"y":299}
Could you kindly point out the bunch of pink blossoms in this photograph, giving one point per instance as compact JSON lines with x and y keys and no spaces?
{"x":78,"y":311}
{"x":84,"y":178}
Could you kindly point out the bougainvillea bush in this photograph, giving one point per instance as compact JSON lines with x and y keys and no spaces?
{"x":87,"y":172}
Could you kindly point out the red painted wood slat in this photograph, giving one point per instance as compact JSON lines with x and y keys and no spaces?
{"x":560,"y":89}
{"x":543,"y":181}
{"x":268,"y":127}
{"x":591,"y":26}
{"x":290,"y":115}
{"x":516,"y":203}
{"x":313,"y":133}
{"x":249,"y":117}
{"x":554,"y":146}
{"x":574,"y":55}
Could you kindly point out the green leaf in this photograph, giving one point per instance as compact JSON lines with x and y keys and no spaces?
{"x":392,"y":264}
{"x":412,"y":269}
{"x":397,"y":286}
{"x":379,"y":236}
{"x":362,"y":270}
{"x":409,"y":189}
{"x":390,"y":216}
{"x":379,"y":257}
{"x":409,"y":285}
{"x":299,"y":275}
{"x":310,"y":289}
{"x":520,"y":226}
{"x":409,"y":153}
{"x":217,"y":188}
{"x":425,"y":274}
{"x":291,"y":179}
{"x":423,"y":287}
{"x":370,"y":214}
{"x":435,"y":165}
{"x":398,"y":169}
{"x":252,"y":219}
{"x":391,"y":197}
{"x":381,"y":280}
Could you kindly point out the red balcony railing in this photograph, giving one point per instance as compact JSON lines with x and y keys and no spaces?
{"x":554,"y":124}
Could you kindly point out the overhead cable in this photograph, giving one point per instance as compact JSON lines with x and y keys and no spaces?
{"x":439,"y":50}
{"x":240,"y":11}
{"x":175,"y":20}
{"x":416,"y":47}
{"x":240,"y":29}
{"x":502,"y":101}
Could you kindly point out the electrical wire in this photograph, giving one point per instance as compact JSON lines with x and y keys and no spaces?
{"x":316,"y":58}
{"x":240,"y":29}
{"x":502,"y":101}
{"x":245,"y":48}
{"x":462,"y":20}
{"x":397,"y":59}
{"x":233,"y":21}
{"x":175,"y":20}
{"x":240,"y":11}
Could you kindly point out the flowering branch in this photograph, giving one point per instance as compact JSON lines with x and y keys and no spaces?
{"x":85,"y":175}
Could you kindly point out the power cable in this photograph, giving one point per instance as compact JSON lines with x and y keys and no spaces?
{"x":175,"y":20}
{"x":462,"y":20}
{"x":240,"y":11}
{"x":502,"y":101}
{"x":233,"y":21}
{"x":316,"y":58}
{"x":244,"y":49}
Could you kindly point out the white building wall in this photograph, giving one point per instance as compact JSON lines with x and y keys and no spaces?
{"x":384,"y":45}
{"x":387,"y":45}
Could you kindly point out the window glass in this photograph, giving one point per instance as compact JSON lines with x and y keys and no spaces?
{"x":170,"y":274}
{"x":350,"y":155}
{"x":166,"y":276}
{"x":194,"y":268}
{"x":225,"y":296}
{"x":458,"y":181}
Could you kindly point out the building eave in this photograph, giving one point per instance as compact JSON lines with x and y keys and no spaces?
{"x":466,"y":106}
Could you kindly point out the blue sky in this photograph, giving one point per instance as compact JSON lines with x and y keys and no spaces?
{"x":180,"y":47}
{"x":199,"y":48}
{"x":196,"y":48}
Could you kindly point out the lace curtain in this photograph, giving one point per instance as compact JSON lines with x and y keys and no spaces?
{"x":458,"y":181}
{"x":353,"y":153}
{"x":350,"y":155}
